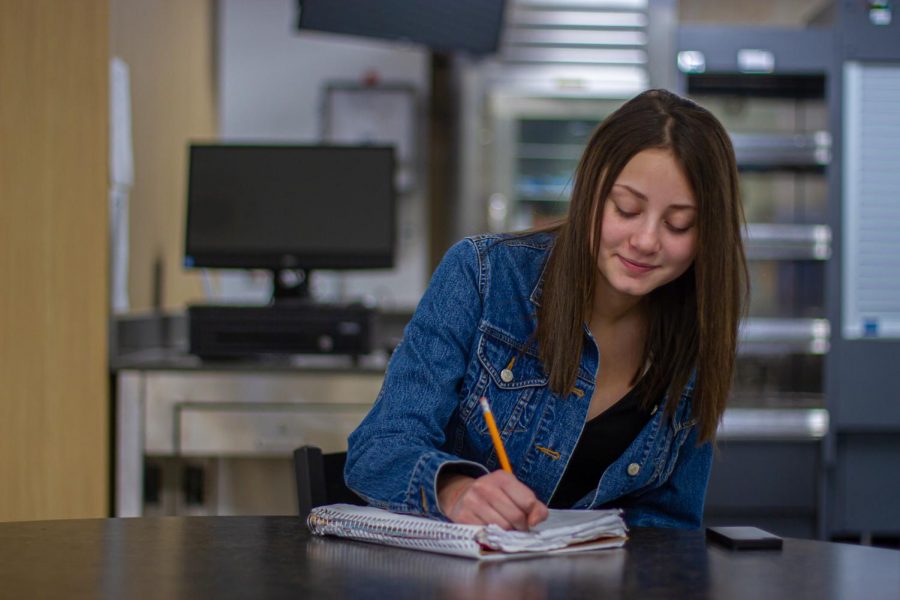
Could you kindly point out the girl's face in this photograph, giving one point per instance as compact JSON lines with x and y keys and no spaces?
{"x":649,"y":232}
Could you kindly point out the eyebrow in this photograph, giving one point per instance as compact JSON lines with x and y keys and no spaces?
{"x":643,"y":197}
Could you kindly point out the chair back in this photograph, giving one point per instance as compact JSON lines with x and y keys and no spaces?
{"x":320,"y":479}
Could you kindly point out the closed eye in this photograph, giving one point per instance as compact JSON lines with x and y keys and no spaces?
{"x":624,"y":214}
{"x":679,"y":230}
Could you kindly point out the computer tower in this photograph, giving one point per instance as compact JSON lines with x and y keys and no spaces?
{"x":220,"y":331}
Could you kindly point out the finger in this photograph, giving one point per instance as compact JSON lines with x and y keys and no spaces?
{"x":535,"y":511}
{"x":510,"y":511}
{"x":521,"y":494}
{"x":510,"y":496}
{"x":487,"y":514}
{"x":494,"y":492}
{"x":479,"y":511}
{"x":538,"y":514}
{"x":490,"y":503}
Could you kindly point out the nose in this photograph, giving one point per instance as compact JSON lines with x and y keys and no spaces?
{"x":646,"y":239}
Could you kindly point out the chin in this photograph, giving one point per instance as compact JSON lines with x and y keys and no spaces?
{"x":632,"y":288}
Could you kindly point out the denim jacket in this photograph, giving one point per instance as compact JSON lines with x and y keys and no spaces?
{"x":476,"y":316}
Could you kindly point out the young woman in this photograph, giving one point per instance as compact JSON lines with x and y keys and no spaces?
{"x":605,"y":345}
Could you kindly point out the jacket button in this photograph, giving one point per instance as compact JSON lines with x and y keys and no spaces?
{"x":634,"y":469}
{"x":506,"y":375}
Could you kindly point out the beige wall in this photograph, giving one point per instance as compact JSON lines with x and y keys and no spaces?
{"x":169,"y":48}
{"x":53,"y":259}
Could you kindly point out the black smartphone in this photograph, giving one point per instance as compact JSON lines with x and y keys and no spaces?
{"x":744,"y":538}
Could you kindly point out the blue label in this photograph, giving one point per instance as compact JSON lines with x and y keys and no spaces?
{"x":870,"y":328}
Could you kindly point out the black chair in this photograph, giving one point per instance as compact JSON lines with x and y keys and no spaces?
{"x":320,"y":479}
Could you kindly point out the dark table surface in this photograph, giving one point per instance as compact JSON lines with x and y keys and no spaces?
{"x":274,"y":557}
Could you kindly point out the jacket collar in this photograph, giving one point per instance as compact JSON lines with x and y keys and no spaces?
{"x":538,"y":291}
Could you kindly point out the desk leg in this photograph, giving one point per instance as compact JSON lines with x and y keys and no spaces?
{"x":129,"y":445}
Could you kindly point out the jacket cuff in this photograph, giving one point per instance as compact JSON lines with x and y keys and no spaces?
{"x":421,"y":494}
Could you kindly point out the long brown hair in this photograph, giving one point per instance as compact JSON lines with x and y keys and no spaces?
{"x":692,"y":321}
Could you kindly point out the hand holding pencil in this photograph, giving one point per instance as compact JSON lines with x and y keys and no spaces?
{"x":497,"y":498}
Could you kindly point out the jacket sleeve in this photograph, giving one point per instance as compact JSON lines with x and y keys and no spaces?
{"x":394,"y":456}
{"x":677,"y":503}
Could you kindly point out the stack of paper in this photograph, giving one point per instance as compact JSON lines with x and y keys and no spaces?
{"x":562,"y":528}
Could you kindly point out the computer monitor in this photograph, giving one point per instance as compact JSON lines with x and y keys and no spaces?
{"x":290,"y":208}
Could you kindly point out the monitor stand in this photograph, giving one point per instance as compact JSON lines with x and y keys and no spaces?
{"x":290,"y":286}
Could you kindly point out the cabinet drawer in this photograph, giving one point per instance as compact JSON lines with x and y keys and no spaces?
{"x":758,"y":475}
{"x":216,"y":413}
{"x":249,"y":429}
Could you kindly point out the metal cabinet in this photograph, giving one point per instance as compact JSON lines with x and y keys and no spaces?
{"x":219,"y":442}
{"x":767,"y":470}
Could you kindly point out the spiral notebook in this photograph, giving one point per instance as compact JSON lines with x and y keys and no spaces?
{"x":563,"y":531}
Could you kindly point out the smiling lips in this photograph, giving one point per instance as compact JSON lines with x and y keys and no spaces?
{"x":635,"y":267}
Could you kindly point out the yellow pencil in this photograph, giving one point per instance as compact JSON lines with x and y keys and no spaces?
{"x":495,"y":435}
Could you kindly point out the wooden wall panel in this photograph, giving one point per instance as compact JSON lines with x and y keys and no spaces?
{"x":53,"y":259}
{"x":169,"y":48}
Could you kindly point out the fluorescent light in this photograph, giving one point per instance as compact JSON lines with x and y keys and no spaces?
{"x":576,"y":55}
{"x":578,"y":18}
{"x":575,"y":37}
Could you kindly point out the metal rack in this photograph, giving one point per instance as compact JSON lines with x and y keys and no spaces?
{"x":773,"y":241}
{"x":802,"y":151}
{"x":771,"y":438}
{"x":838,"y":481}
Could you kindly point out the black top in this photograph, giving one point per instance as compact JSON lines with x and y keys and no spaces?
{"x":603,"y":440}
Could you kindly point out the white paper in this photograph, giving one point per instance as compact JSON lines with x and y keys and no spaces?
{"x":121,"y":173}
{"x":118,"y":239}
{"x":121,"y":160}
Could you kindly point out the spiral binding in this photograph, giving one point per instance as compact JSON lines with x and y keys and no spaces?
{"x":327,"y":521}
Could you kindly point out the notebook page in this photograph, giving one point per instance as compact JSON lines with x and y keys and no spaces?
{"x":564,"y":518}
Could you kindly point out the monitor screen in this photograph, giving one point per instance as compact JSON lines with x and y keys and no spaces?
{"x":290,"y":207}
{"x":466,"y":25}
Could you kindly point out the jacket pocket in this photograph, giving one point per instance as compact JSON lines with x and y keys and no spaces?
{"x":509,"y":363}
{"x":512,"y":377}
